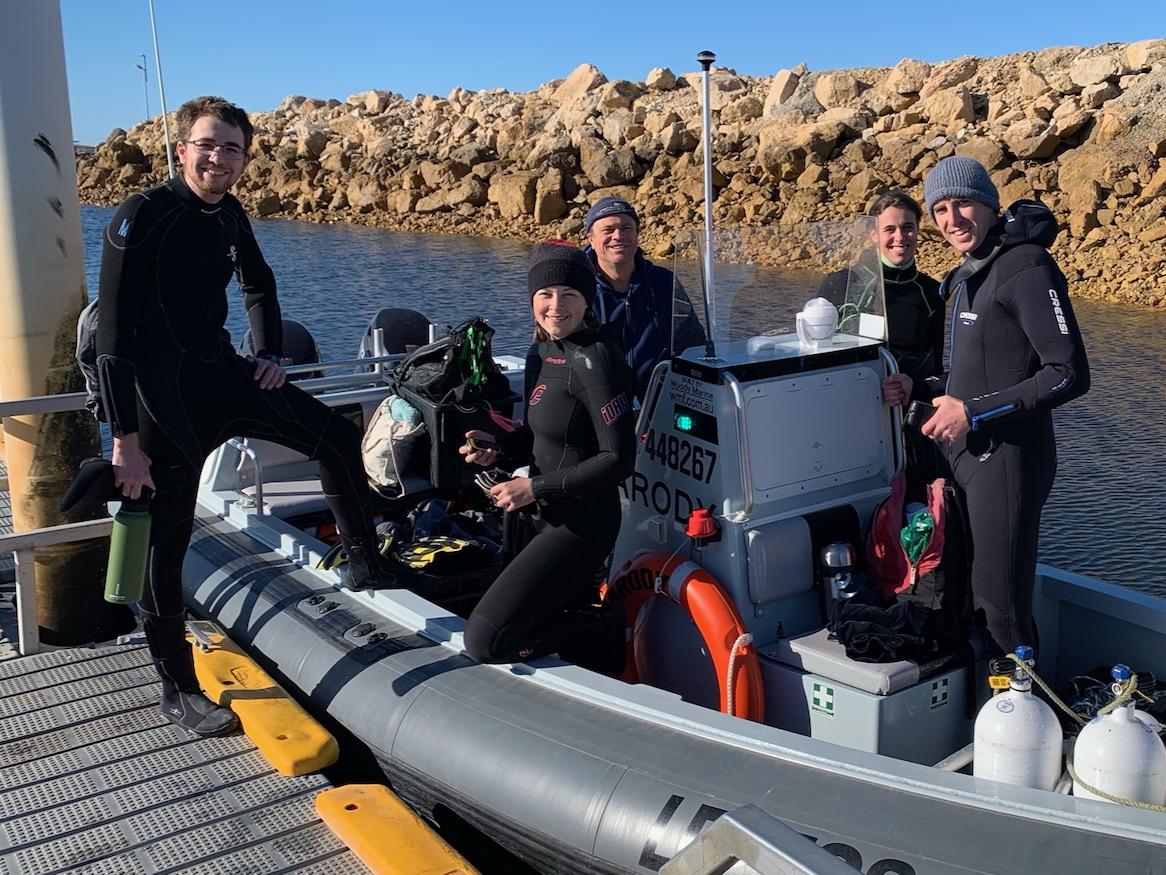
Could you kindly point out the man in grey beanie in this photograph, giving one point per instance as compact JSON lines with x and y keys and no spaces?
{"x":1015,"y":353}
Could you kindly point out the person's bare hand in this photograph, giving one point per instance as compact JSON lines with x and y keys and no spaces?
{"x":513,"y":494}
{"x":268,"y":374}
{"x":487,"y":455}
{"x":949,"y":422}
{"x":897,"y":390}
{"x":131,"y":466}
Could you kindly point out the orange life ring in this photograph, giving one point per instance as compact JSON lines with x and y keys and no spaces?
{"x":711,"y":610}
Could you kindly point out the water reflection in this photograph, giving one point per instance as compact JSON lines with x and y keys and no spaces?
{"x":1103,"y":516}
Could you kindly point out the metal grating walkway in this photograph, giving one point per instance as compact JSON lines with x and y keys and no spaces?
{"x":94,"y":780}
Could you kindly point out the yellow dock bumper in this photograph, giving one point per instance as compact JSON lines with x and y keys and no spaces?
{"x":386,"y":834}
{"x":286,"y":735}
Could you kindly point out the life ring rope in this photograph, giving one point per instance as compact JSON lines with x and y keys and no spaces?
{"x":735,"y":661}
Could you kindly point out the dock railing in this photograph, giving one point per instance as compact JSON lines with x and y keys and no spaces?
{"x":22,"y":544}
{"x":763,"y":843}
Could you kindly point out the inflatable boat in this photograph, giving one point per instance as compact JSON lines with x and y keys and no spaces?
{"x":757,"y":453}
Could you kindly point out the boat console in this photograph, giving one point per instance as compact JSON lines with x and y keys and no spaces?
{"x":786,"y":438}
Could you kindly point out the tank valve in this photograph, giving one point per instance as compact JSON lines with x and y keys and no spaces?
{"x":702,"y":528}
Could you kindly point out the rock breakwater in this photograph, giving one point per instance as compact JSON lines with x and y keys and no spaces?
{"x":1083,"y":129}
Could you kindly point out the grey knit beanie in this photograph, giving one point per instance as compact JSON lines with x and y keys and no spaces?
{"x":559,"y":263}
{"x":959,"y":176}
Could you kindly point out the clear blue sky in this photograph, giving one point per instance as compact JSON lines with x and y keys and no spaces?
{"x":256,"y":52}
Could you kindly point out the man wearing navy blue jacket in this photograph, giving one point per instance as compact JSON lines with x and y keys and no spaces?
{"x":1016,"y":353}
{"x":635,"y":295}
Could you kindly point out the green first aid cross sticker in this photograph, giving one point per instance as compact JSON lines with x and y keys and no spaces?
{"x":822,"y":699}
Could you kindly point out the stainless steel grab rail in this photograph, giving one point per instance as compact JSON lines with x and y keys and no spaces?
{"x":763,"y":843}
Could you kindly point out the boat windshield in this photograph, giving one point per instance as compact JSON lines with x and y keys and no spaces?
{"x":766,"y":289}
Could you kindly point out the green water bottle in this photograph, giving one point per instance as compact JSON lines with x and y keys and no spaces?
{"x":129,"y":550}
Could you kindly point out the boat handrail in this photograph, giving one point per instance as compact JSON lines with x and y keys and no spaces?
{"x":896,"y":413}
{"x":247,"y":451}
{"x":22,"y":545}
{"x":743,"y":438}
{"x":759,"y":840}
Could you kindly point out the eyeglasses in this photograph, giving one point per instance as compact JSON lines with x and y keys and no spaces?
{"x":206,"y":147}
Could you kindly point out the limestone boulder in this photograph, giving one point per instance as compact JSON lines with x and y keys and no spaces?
{"x":901,"y":149}
{"x":660,"y":79}
{"x":677,"y":139}
{"x":907,"y":76}
{"x":374,"y":101}
{"x":1097,"y":69}
{"x":616,"y":126}
{"x":781,"y":158}
{"x":470,"y":155}
{"x":837,"y":88}
{"x":513,"y":193}
{"x":742,"y":110}
{"x":781,"y":89}
{"x":620,"y":94}
{"x":1112,"y":125}
{"x":311,"y":140}
{"x":985,"y":150}
{"x":1094,"y":96}
{"x":1144,"y":54}
{"x":549,"y":203}
{"x":552,"y":151}
{"x":1031,"y":83}
{"x":584,"y":78}
{"x":1031,"y":139}
{"x":364,"y":195}
{"x":268,"y":205}
{"x":948,"y":108}
{"x":605,"y":167}
{"x":949,"y":74}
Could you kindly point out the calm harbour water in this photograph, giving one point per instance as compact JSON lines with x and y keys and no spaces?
{"x":1104,"y":514}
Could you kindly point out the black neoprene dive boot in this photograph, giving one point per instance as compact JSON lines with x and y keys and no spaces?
{"x":183,"y":702}
{"x":365,"y":566}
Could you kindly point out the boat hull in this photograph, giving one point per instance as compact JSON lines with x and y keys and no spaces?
{"x":591,"y":775}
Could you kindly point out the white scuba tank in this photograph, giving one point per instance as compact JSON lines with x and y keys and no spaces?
{"x":1017,"y":737}
{"x":1121,"y":753}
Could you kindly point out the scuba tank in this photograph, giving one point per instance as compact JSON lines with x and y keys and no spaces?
{"x":1017,"y":736}
{"x":129,"y":551}
{"x":1121,"y":753}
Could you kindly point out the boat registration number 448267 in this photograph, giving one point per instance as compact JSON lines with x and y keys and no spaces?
{"x":681,"y":455}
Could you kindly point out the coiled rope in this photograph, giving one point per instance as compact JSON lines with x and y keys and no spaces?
{"x":743,"y":640}
{"x":1124,"y":692}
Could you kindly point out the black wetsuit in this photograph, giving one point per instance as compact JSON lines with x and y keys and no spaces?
{"x":1016,"y":353}
{"x":914,"y":312}
{"x":579,"y":430}
{"x":169,"y":372}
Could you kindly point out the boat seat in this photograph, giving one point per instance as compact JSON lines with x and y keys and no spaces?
{"x":816,"y":654}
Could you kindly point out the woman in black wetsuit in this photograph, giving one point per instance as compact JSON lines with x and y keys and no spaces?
{"x":578,"y":438}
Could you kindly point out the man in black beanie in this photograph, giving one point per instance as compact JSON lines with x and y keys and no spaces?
{"x":1015,"y":354}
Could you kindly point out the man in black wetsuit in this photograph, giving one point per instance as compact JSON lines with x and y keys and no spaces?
{"x":1016,"y":353}
{"x":578,"y":431}
{"x":174,"y":388}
